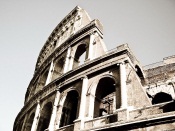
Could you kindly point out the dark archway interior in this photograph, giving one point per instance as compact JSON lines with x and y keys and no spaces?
{"x":44,"y":77}
{"x":105,"y":93}
{"x":161,"y":97}
{"x":58,"y":69}
{"x":80,"y":55}
{"x":69,"y":111}
{"x":19,"y":127}
{"x":139,"y":72}
{"x":80,"y":50}
{"x":30,"y":122}
{"x":45,"y":117}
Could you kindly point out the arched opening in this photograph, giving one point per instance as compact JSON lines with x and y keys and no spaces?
{"x":29,"y":122}
{"x":104,"y":97}
{"x":161,"y":97}
{"x":70,"y":109}
{"x":45,"y":117}
{"x":34,"y":88}
{"x":43,"y":78}
{"x":58,"y":69}
{"x":80,"y":55}
{"x":139,"y":73}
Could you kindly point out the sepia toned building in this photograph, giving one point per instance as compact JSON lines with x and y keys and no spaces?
{"x":79,"y":85}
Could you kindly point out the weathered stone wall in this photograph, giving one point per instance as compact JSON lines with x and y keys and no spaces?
{"x":136,"y":95}
{"x":108,"y":91}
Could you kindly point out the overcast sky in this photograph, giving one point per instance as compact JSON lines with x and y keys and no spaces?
{"x":148,"y":26}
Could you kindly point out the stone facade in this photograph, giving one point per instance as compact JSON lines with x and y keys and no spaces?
{"x":79,"y":85}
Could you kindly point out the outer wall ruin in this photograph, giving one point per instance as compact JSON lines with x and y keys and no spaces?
{"x":79,"y":85}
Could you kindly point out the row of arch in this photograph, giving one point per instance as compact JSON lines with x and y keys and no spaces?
{"x":103,"y":104}
{"x":107,"y":99}
{"x":66,"y":28}
{"x":161,"y":93}
{"x":69,"y":60}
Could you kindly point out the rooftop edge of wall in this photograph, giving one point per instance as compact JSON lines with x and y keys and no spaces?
{"x":166,"y":61}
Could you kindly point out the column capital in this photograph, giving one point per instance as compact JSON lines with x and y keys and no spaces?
{"x":84,"y":77}
{"x":38,"y":101}
{"x":57,"y":90}
{"x":68,"y":47}
{"x":123,"y":62}
{"x":126,"y":61}
{"x":92,"y":33}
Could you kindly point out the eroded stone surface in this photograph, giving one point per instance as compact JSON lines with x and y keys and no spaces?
{"x":79,"y":85}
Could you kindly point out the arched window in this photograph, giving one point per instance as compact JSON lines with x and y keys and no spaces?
{"x":161,"y":97}
{"x":34,"y":88}
{"x":29,"y":122}
{"x":45,"y":117}
{"x":58,"y":69}
{"x":139,"y":72}
{"x":70,"y":109}
{"x":43,"y":78}
{"x":80,"y":55}
{"x":104,"y":97}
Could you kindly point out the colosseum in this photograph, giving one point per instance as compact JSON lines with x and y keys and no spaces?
{"x":78,"y":85}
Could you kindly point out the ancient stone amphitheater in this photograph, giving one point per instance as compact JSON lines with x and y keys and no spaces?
{"x":79,"y":85}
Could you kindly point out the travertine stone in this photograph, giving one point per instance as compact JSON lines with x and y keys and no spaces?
{"x":79,"y":85}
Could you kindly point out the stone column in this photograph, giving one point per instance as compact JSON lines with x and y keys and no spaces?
{"x":90,"y":51}
{"x":123,"y":86}
{"x":71,"y":62}
{"x":49,"y":74}
{"x":83,"y":101}
{"x":54,"y":111}
{"x":36,"y":118}
{"x":66,"y":64}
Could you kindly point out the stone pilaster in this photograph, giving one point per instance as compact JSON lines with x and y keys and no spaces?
{"x":71,"y":63}
{"x":67,"y":61}
{"x":54,"y":111}
{"x":123,"y":86}
{"x":36,"y":118}
{"x":49,"y":74}
{"x":83,"y":101}
{"x":90,"y":51}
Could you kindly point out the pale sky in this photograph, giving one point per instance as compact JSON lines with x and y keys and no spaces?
{"x":148,"y":26}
